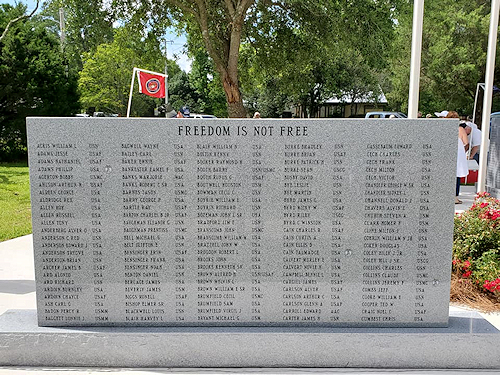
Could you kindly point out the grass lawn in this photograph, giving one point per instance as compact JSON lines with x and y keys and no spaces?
{"x":15,"y":209}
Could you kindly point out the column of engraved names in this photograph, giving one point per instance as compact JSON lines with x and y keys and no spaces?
{"x":340,"y":250}
{"x":219,"y":257}
{"x":257,"y":244}
{"x":386,"y":198}
{"x":304,"y":268}
{"x":180,"y":227}
{"x":263,"y":231}
{"x":100,"y":266}
{"x":145,"y":225}
{"x":422,"y":280}
{"x":63,"y":243}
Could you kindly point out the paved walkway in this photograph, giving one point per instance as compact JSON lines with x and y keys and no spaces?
{"x":467,"y":194}
{"x":259,"y":371}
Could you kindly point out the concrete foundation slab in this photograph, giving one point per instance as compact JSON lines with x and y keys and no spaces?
{"x":468,"y":342}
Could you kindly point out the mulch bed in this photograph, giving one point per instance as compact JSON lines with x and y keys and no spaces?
{"x":464,"y":292}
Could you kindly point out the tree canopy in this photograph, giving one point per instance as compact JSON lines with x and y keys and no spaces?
{"x":455,"y":37}
{"x":336,"y":51}
{"x":304,"y":52}
{"x":34,"y":79}
{"x":222,"y":26}
{"x":260,"y":54}
{"x":106,"y":75}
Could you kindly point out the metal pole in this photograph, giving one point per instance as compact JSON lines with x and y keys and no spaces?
{"x":166,"y":75}
{"x":131,"y":89}
{"x":475,"y":103}
{"x":488,"y":94}
{"x":416,"y":53}
{"x":62,"y":27}
{"x":166,"y":78}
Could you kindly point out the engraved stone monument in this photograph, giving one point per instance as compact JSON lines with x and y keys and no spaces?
{"x":493,"y":165}
{"x":185,"y":222}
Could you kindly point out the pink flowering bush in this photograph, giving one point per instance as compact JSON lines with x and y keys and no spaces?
{"x":492,"y":286}
{"x":476,"y":243}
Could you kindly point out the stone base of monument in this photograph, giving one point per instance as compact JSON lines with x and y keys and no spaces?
{"x":468,"y":342}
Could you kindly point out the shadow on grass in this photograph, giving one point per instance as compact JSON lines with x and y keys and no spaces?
{"x":6,"y":178}
{"x":14,"y":164}
{"x":15,"y":211}
{"x":10,"y":171}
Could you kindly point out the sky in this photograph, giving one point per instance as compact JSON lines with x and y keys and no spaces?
{"x":174,"y":49}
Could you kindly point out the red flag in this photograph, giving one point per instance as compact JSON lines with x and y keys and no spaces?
{"x":151,"y":84}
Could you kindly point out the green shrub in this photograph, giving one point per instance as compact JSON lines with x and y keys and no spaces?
{"x":476,"y":243}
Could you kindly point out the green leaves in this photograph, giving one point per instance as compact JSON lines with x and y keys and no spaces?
{"x":313,"y":50}
{"x":476,"y":241}
{"x":34,"y":80}
{"x":106,"y":76}
{"x":454,"y":47}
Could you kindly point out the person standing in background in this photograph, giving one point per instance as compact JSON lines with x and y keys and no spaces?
{"x":462,"y":146}
{"x":475,"y":138}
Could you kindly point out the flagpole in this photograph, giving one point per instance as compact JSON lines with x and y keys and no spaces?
{"x":134,"y":72}
{"x":166,"y":74}
{"x":166,"y":88}
{"x":166,"y":71}
{"x":131,"y":90}
{"x":149,"y":71}
{"x":416,"y":53}
{"x":488,"y":93}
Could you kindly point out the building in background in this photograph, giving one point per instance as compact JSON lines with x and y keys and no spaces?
{"x":347,"y":106}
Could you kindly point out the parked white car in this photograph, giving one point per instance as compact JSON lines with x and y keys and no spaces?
{"x":384,"y":114}
{"x":198,"y":115}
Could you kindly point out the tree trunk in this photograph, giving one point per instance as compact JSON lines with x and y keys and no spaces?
{"x":225,"y":52}
{"x":236,"y":110}
{"x":235,"y":106}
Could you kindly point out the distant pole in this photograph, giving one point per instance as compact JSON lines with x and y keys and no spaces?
{"x":166,"y":75}
{"x":488,"y":94}
{"x":416,"y":54}
{"x":62,"y":27}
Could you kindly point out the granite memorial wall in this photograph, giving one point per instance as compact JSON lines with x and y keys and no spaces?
{"x":185,"y":222}
{"x":493,"y":165}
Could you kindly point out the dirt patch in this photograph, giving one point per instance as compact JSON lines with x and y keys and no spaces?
{"x":464,"y":292}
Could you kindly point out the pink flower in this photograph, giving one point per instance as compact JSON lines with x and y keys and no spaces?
{"x":467,"y":274}
{"x":492,"y":286}
{"x":466,"y":264}
{"x":482,"y":195}
{"x":484,"y":204}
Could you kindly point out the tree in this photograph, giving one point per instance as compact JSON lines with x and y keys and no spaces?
{"x":222,"y":25}
{"x":310,"y":66}
{"x":219,"y":25}
{"x":17,"y":19}
{"x":34,"y":80}
{"x":206,"y":84}
{"x":267,"y":98}
{"x":105,"y":79}
{"x":88,"y":24}
{"x":455,"y":36}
